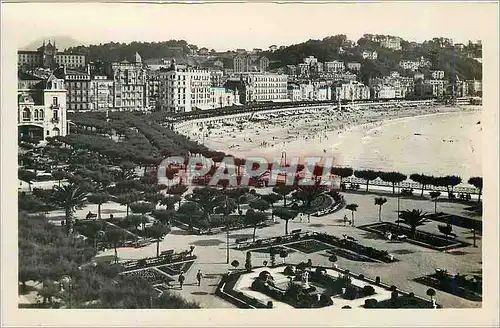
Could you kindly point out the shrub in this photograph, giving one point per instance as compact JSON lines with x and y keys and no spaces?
{"x":325,"y":300}
{"x":368,"y":290}
{"x":371,"y":303}
{"x":259,"y":286}
{"x":361,"y":276}
{"x":350,"y":293}
{"x":394,"y":288}
{"x":269,"y":304}
{"x":289,"y":270}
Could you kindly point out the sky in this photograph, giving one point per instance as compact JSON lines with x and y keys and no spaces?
{"x":224,"y":26}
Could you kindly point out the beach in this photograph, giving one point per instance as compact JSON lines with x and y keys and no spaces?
{"x":430,"y":140}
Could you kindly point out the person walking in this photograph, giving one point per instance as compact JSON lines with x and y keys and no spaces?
{"x":181,"y":279}
{"x":345,"y":219}
{"x":199,"y":275}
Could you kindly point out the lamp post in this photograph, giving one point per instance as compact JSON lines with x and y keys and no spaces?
{"x":474,"y":237}
{"x":67,"y":281}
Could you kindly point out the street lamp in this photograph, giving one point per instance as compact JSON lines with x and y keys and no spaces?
{"x":67,"y":281}
{"x":474,"y":236}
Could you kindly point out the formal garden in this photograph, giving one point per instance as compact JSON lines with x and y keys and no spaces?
{"x":466,"y":286}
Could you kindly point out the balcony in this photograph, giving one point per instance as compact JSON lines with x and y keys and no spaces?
{"x":55,"y":120}
{"x":54,"y":106}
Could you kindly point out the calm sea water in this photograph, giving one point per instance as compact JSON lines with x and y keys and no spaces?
{"x":441,"y":144}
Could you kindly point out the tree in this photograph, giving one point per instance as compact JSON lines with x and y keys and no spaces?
{"x":307,"y":194}
{"x":208,"y":199}
{"x":353,"y":208}
{"x":254,"y":219}
{"x":260,"y":205}
{"x":170,"y":201}
{"x":164,"y":216}
{"x":423,"y":179}
{"x":191,"y":209}
{"x":157,"y":231}
{"x":237,"y":194}
{"x":380,"y":201}
{"x":285,"y":214}
{"x":154,"y":198}
{"x":431,"y":293}
{"x":134,"y":220}
{"x":115,"y":236}
{"x":367,"y":175}
{"x":478,"y":183}
{"x":413,"y":219}
{"x":127,"y":199}
{"x":271,"y":198}
{"x":445,"y":229}
{"x":452,"y":181}
{"x":59,"y":175}
{"x":99,"y":199}
{"x":70,"y":197}
{"x":177,"y":191}
{"x":283,"y":191}
{"x":435,"y":195}
{"x":26,"y":176}
{"x":333,"y":259}
{"x":342,"y":172}
{"x":392,"y":177}
{"x":127,"y":171}
{"x":142,"y":208}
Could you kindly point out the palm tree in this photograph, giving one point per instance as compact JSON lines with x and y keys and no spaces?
{"x":307,"y":194}
{"x":380,"y":201}
{"x":191,"y":210}
{"x":285,"y":214}
{"x":70,"y":197}
{"x":413,"y":219}
{"x":478,"y":183}
{"x":435,"y":195}
{"x":353,"y":208}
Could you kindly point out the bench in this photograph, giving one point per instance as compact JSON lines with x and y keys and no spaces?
{"x":296,"y":231}
{"x":168,"y":252}
{"x":240,"y":240}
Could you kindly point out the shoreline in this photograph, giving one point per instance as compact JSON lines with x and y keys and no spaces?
{"x":308,"y":135}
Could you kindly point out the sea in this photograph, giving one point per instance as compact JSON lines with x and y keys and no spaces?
{"x":436,"y":144}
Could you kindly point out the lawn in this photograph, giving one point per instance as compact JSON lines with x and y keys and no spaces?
{"x":309,"y":246}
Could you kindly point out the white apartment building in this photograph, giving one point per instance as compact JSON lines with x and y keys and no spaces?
{"x":409,"y":64}
{"x":353,"y":90}
{"x":101,"y":93}
{"x":390,"y":42}
{"x":303,"y":69}
{"x":267,"y":86}
{"x":294,"y":92}
{"x":353,"y":66}
{"x":41,"y":111}
{"x":184,"y":89}
{"x":310,"y":60}
{"x":323,"y":93}
{"x":333,"y":66}
{"x":370,"y":54}
{"x":221,"y":97}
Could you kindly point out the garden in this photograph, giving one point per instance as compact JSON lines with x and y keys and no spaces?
{"x":467,"y":287}
{"x":456,"y":220}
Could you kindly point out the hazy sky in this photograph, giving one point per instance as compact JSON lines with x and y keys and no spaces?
{"x":243,"y":25}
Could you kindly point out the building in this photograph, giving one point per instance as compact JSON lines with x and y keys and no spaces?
{"x":370,"y":54}
{"x":250,"y":63}
{"x":333,"y":66}
{"x":294,"y":92}
{"x":323,"y":93}
{"x":41,"y":111}
{"x":391,"y":42}
{"x":353,"y":90}
{"x":184,"y":89}
{"x":259,"y":87}
{"x":418,"y":76}
{"x":273,"y":48}
{"x":77,"y":83}
{"x":153,"y":89}
{"x":353,"y":66}
{"x":221,"y":97}
{"x":303,"y":69}
{"x":430,"y":88}
{"x":384,"y":92}
{"x":47,"y":56}
{"x":437,"y":75}
{"x":310,"y":60}
{"x":217,"y":78}
{"x":129,"y":84}
{"x":475,"y":87}
{"x":291,"y":70}
{"x":409,"y":64}
{"x":101,"y":93}
{"x":218,"y":64}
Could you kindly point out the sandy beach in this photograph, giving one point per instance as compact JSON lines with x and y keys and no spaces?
{"x":313,"y":134}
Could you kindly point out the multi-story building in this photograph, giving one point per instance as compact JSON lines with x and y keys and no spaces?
{"x":47,"y":56}
{"x":41,"y":111}
{"x":291,"y":70}
{"x":437,"y":75}
{"x":310,"y":60}
{"x":259,"y":87}
{"x":353,"y":90}
{"x":273,"y":48}
{"x":129,"y":84}
{"x":370,"y":54}
{"x":250,"y":63}
{"x":153,"y":89}
{"x":101,"y":93}
{"x":418,"y":76}
{"x":77,"y":83}
{"x":333,"y":66}
{"x":391,"y":42}
{"x":430,"y":88}
{"x":294,"y":92}
{"x":221,"y":97}
{"x":323,"y":93}
{"x":303,"y":69}
{"x":409,"y":64}
{"x":384,"y":91}
{"x":336,"y":77}
{"x":353,"y":66}
{"x":217,"y":78}
{"x":184,"y":89}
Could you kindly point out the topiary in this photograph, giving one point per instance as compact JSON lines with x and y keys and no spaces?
{"x":368,"y":290}
{"x":289,"y":270}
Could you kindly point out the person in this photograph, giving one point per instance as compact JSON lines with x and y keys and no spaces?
{"x":181,"y":279}
{"x":199,"y":275}
{"x":345,"y":219}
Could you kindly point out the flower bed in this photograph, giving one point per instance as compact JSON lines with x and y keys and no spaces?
{"x":157,"y":261}
{"x":460,"y":286}
{"x":421,"y":238}
{"x":176,"y":268}
{"x":151,"y":275}
{"x":400,"y":302}
{"x":276,"y":250}
{"x":225,"y":290}
{"x":456,"y":220}
{"x":309,"y":246}
{"x":353,"y":256}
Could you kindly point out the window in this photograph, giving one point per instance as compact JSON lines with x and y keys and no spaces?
{"x":54,"y":101}
{"x":26,"y":114}
{"x":48,"y":132}
{"x":55,"y":115}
